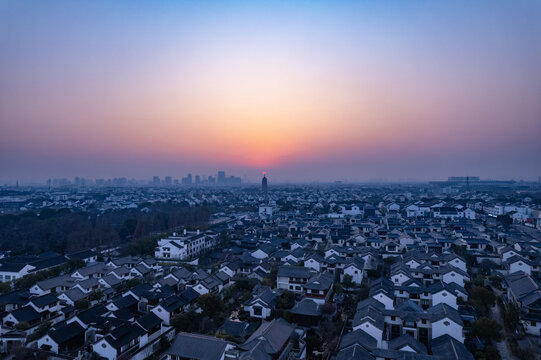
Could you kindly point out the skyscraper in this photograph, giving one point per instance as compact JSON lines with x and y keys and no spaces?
{"x":221,"y":178}
{"x":264,"y":183}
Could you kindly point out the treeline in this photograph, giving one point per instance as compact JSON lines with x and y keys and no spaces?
{"x":64,"y":230}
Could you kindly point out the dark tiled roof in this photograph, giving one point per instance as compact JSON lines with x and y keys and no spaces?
{"x":197,"y":347}
{"x":66,"y":332}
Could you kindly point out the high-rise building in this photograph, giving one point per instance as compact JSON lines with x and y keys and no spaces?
{"x":221,"y":178}
{"x":168,"y":180}
{"x":211,"y":180}
{"x":264,"y":185}
{"x":197,"y":179}
{"x":156,"y":180}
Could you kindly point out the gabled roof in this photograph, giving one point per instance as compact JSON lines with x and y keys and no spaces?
{"x":273,"y":334}
{"x":407,"y":340}
{"x":19,"y":297}
{"x":449,"y":348}
{"x":322,"y":281}
{"x":27,"y":314}
{"x":173,"y":303}
{"x":123,"y":335}
{"x":354,"y":352}
{"x":294,"y":271}
{"x":75,"y":294}
{"x":197,"y":346}
{"x":62,"y":280}
{"x":307,"y":307}
{"x":66,"y":332}
{"x":149,"y":321}
{"x":358,"y":337}
{"x":442,"y":311}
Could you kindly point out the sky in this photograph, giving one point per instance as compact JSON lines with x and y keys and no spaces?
{"x":305,"y":90}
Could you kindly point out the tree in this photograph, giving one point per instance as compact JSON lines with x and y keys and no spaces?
{"x":95,"y":295}
{"x":164,"y":343}
{"x":82,"y":304}
{"x":22,"y":325}
{"x":5,"y":287}
{"x":511,"y":317}
{"x":211,"y":304}
{"x":286,"y":300}
{"x":347,"y":281}
{"x":505,"y":220}
{"x":487,"y":329}
{"x":482,"y":299}
{"x":74,"y":264}
{"x":338,"y":289}
{"x":188,"y":322}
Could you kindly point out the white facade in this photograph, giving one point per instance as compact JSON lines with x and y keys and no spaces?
{"x":449,"y":327}
{"x":355,"y":273}
{"x":385,"y":300}
{"x":183,"y":247}
{"x":445,"y":297}
{"x":371,"y":330}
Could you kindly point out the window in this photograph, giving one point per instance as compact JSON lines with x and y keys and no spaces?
{"x":258,"y":310}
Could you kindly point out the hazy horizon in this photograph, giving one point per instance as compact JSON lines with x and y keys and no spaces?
{"x":305,"y":90}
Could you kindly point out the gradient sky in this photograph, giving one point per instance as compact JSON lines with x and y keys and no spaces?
{"x":307,"y":90}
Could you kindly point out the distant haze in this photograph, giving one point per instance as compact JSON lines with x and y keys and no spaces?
{"x":306,"y":90}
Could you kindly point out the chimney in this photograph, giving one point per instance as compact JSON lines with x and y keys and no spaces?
{"x":197,"y":231}
{"x":184,"y":231}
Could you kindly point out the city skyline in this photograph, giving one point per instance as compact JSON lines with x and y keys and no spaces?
{"x":309,"y":91}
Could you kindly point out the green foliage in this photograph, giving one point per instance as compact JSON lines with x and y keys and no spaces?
{"x":245,"y":284}
{"x":482,"y":299}
{"x":211,"y":304}
{"x":22,"y":325}
{"x":347,"y":281}
{"x":40,"y":331}
{"x":188,"y":322}
{"x":27,"y":281}
{"x":337,"y":288}
{"x":364,"y":292}
{"x":95,"y":295}
{"x":487,"y":329}
{"x":144,"y":246}
{"x":66,"y":230}
{"x":164,"y":343}
{"x":511,"y":317}
{"x":286,"y":300}
{"x":504,"y":220}
{"x":349,"y":305}
{"x":74,"y":264}
{"x":82,"y":304}
{"x":524,"y":354}
{"x":5,"y":287}
{"x":492,"y":353}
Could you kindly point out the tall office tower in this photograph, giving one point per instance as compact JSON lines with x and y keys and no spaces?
{"x":221,"y":178}
{"x":156,"y":180}
{"x":211,"y":180}
{"x":168,"y":180}
{"x":264,"y":185}
{"x":197,"y":179}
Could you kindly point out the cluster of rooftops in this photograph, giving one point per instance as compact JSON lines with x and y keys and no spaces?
{"x":415,"y":257}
